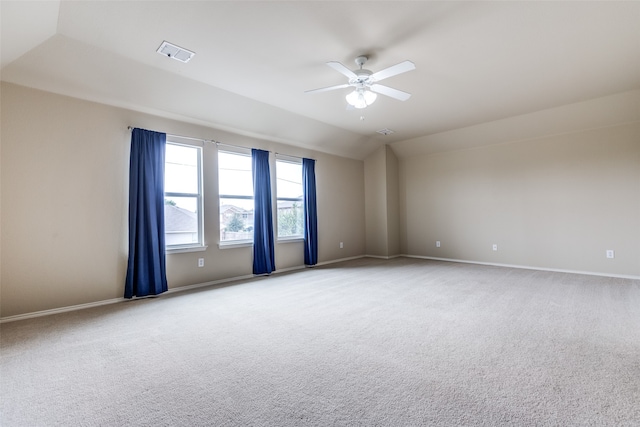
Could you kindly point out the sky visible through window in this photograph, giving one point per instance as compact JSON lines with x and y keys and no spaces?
{"x":181,"y":174}
{"x":235,"y":179}
{"x":289,"y":179}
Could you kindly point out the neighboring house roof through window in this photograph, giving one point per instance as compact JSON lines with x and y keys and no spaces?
{"x":178,"y":219}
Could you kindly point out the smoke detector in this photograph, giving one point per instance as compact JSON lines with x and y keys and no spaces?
{"x":176,"y":52}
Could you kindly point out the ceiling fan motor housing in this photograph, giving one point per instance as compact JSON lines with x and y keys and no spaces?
{"x":363,"y":77}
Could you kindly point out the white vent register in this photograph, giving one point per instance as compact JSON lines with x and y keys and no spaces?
{"x":176,"y":52}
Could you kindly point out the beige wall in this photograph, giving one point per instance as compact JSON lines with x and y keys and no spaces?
{"x":376,"y":203}
{"x":550,"y":202}
{"x":381,"y":203}
{"x":393,"y":203}
{"x":64,"y":196}
{"x":555,"y":202}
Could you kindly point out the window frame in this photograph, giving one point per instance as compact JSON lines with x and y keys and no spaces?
{"x":237,"y":151}
{"x":281,"y":158}
{"x":200,"y":244}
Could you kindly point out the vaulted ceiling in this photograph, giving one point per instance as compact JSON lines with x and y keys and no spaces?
{"x":476,"y":61}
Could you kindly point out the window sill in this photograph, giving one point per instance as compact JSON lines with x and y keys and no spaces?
{"x":186,"y":249}
{"x":290,"y":239}
{"x":235,"y":244}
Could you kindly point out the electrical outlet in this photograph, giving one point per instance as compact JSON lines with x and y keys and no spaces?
{"x":341,"y":245}
{"x":495,"y":247}
{"x":437,"y":243}
{"x":610,"y":253}
{"x":200,"y":262}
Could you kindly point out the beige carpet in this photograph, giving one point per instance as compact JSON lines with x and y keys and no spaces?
{"x":404,"y":342}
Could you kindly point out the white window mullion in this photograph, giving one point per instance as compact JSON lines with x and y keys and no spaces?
{"x":235,"y":184}
{"x":289,"y":197}
{"x":183,"y":197}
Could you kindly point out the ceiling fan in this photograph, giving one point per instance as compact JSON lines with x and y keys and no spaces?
{"x":365,"y":83}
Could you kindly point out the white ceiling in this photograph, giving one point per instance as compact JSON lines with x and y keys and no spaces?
{"x":476,"y":62}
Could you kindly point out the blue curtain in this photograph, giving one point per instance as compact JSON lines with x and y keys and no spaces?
{"x":310,"y":212}
{"x":263,"y":245}
{"x":146,"y":270}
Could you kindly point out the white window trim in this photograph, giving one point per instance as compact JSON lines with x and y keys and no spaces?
{"x":295,"y":161}
{"x":185,"y":249}
{"x":290,"y":239}
{"x":230,"y":244}
{"x":200,"y":245}
{"x":289,"y":159}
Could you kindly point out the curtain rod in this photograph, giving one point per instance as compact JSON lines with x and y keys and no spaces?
{"x":213,"y":141}
{"x":288,"y":155}
{"x":185,"y":137}
{"x":247,"y":148}
{"x":231,"y":145}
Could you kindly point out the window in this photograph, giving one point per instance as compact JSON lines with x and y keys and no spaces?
{"x":182,"y":196}
{"x":236,"y":196}
{"x":290,"y":197}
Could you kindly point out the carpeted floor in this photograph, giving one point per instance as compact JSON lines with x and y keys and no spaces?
{"x":368,"y":342}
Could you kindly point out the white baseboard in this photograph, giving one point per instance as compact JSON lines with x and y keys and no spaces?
{"x":283,"y":270}
{"x":383,"y":257}
{"x":334,"y":261}
{"x":526,"y":267}
{"x":60,"y":310}
{"x":170,"y":291}
{"x":206,"y":284}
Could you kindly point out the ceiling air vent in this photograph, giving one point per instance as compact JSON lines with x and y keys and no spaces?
{"x":385,"y":131}
{"x":175,"y":52}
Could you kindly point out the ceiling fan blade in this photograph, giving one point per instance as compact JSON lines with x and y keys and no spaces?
{"x":325,"y":89}
{"x":389,"y":91}
{"x":400,"y":68}
{"x":342,"y":69}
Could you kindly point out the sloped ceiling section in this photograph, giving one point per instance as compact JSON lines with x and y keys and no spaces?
{"x":24,"y":26}
{"x":602,"y":112}
{"x":115,"y":80}
{"x":477,"y":62}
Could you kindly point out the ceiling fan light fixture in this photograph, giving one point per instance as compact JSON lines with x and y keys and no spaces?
{"x":361,"y":98}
